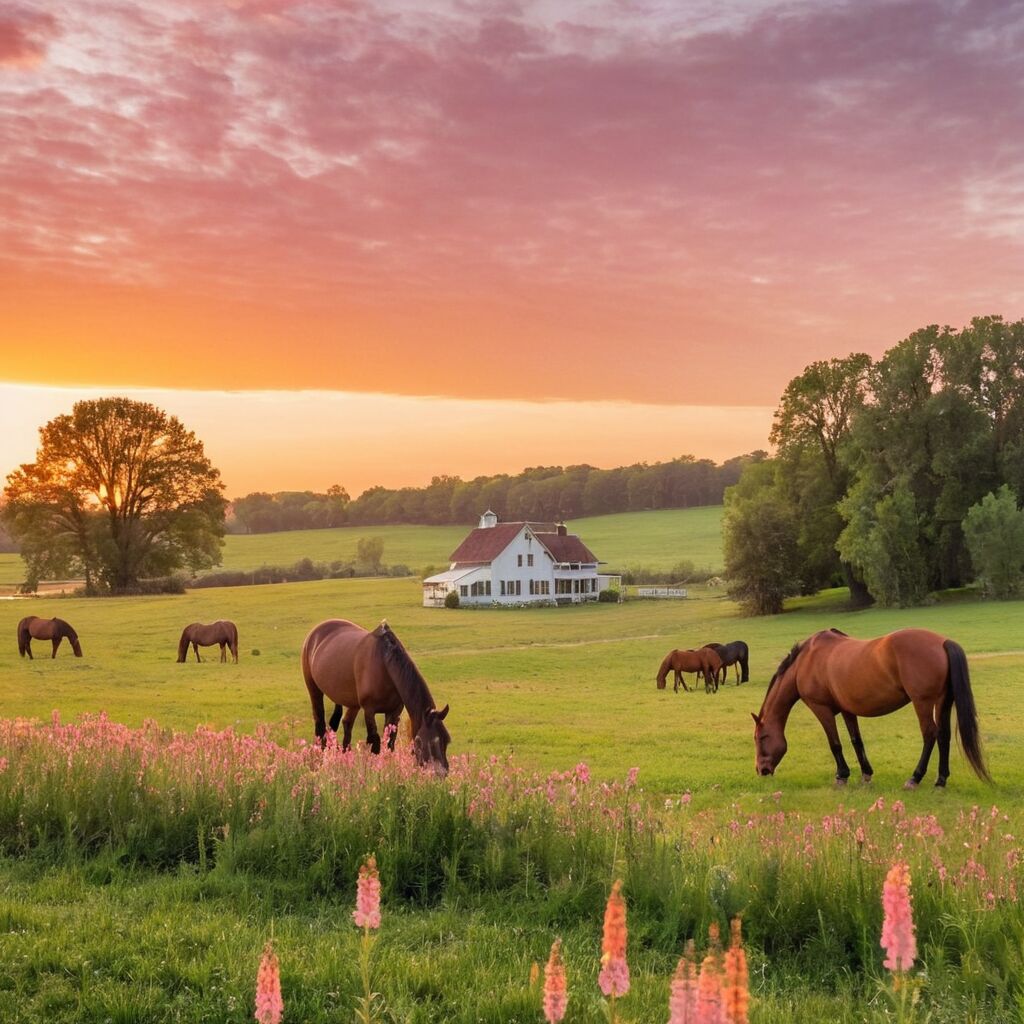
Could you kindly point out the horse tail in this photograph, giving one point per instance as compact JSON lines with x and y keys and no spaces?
{"x":745,"y":664}
{"x":183,"y":644}
{"x":24,"y":637}
{"x":233,"y":639}
{"x":959,"y":682}
{"x":316,"y":695}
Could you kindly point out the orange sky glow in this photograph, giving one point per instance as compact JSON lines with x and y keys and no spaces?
{"x":471,"y":237}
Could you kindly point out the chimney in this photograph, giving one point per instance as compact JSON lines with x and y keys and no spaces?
{"x":487,"y":520}
{"x":561,"y":529}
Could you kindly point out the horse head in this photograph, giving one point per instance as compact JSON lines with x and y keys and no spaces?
{"x":769,"y":745}
{"x":431,"y":741}
{"x":66,"y":629}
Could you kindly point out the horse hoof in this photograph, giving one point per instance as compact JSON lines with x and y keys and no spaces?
{"x":940,"y":783}
{"x":910,"y":784}
{"x":840,"y":782}
{"x":866,"y":779}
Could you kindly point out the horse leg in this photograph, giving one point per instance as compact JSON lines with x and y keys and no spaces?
{"x":391,"y":727}
{"x":929,"y":734}
{"x":945,"y":733}
{"x":853,"y":728}
{"x":56,"y":644}
{"x":347,"y":721}
{"x":223,"y":654}
{"x":372,"y":736}
{"x":335,"y":718}
{"x":827,"y":717}
{"x":195,"y":647}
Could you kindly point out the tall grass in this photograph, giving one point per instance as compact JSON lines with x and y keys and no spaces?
{"x":233,"y":806}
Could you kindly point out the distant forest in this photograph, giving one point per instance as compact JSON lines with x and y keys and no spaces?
{"x":543,"y":493}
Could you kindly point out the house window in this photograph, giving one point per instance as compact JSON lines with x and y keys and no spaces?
{"x":487,"y":588}
{"x":464,"y":590}
{"x":502,"y":588}
{"x":519,"y":560}
{"x":563,"y":586}
{"x":529,"y":560}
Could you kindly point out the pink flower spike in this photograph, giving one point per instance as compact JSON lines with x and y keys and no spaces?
{"x":898,"y":924}
{"x":269,"y":1005}
{"x":555,"y":994}
{"x":367,"y":912}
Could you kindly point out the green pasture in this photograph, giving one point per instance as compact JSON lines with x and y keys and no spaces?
{"x":554,"y":685}
{"x":96,"y":941}
{"x":655,"y":540}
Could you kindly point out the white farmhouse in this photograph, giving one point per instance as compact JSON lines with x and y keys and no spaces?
{"x":519,"y":563}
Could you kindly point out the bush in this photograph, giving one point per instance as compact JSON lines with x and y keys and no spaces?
{"x":994,"y":531}
{"x":609,"y":596}
{"x":451,"y":599}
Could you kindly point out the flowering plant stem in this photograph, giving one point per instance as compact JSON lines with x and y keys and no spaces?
{"x":365,"y":1005}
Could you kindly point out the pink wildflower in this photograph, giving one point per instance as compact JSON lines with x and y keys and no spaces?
{"x":614,"y":976}
{"x":709,"y":992}
{"x":898,"y":924}
{"x":269,"y":1005}
{"x":555,"y":996}
{"x":682,"y":1003}
{"x":367,"y":912}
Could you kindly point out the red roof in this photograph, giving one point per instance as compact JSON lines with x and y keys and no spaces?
{"x":566,"y":548}
{"x":484,"y":544}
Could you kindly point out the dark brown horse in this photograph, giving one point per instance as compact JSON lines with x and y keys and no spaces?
{"x":33,"y":628}
{"x":371,"y":671}
{"x":704,"y":662}
{"x":736,"y":654}
{"x":835,"y":674}
{"x":199,"y":635}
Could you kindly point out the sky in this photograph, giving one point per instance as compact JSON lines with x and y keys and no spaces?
{"x":368,"y":242}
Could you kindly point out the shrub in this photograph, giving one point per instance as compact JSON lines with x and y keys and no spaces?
{"x":451,"y":599}
{"x":994,"y":531}
{"x":609,"y":596}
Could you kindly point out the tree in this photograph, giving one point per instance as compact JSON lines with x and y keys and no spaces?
{"x":811,"y":429}
{"x":883,"y":538}
{"x":119,"y":491}
{"x":370,"y":552}
{"x":994,"y":529}
{"x":760,"y":537}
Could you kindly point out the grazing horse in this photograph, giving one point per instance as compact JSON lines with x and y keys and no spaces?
{"x":737,"y":654}
{"x":705,"y":662}
{"x":835,"y":674}
{"x":199,"y":635}
{"x":33,"y":628}
{"x":371,"y":671}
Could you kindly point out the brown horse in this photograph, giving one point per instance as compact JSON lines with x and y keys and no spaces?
{"x":372,"y":671}
{"x":705,"y":662}
{"x":33,"y":628}
{"x":199,"y":635}
{"x":835,"y":674}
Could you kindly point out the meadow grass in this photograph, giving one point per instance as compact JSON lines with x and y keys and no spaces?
{"x":100,"y":925}
{"x":655,"y":540}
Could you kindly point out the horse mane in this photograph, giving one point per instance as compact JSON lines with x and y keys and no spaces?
{"x":786,"y":663}
{"x":408,"y":679}
{"x":67,"y":629}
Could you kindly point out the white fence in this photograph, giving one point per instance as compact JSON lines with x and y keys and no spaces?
{"x":675,"y":592}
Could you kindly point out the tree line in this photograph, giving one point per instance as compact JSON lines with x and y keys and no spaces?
{"x":894,"y":478}
{"x":542,"y":493}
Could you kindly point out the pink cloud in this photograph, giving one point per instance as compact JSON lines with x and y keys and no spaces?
{"x":701,"y":188}
{"x":23,"y":37}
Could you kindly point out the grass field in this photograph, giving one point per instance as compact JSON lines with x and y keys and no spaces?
{"x":554,"y":687}
{"x":657,"y":540}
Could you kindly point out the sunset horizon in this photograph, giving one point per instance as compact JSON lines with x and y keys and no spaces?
{"x":370,"y":244}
